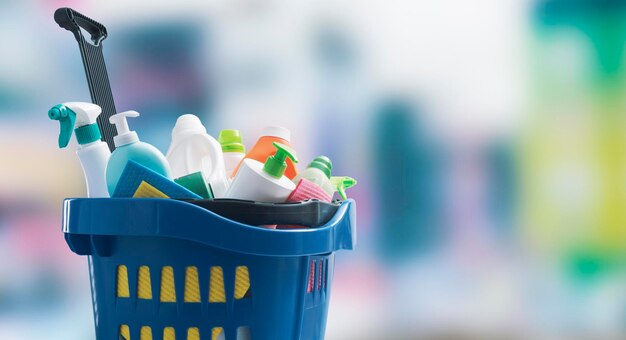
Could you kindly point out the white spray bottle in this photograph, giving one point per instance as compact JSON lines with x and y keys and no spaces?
{"x":92,"y":152}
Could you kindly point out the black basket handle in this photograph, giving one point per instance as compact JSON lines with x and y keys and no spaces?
{"x":310,"y":213}
{"x":73,"y":21}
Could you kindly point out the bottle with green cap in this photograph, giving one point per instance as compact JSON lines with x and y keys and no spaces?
{"x":318,"y":172}
{"x":232,"y":149}
{"x":93,"y":153}
{"x":267,"y":182}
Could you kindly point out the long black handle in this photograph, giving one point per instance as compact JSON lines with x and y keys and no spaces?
{"x":95,"y":68}
{"x":311,"y":213}
{"x":73,"y":21}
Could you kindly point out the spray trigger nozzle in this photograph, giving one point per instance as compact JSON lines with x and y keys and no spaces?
{"x":342,"y":183}
{"x":66,"y":118}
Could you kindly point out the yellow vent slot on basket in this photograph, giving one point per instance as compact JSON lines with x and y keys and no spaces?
{"x":192,"y":287}
{"x":122,"y":282}
{"x":242,"y":282}
{"x":168,"y":292}
{"x":168,"y":333}
{"x":193,"y":333}
{"x":216,"y":285}
{"x":144,"y":286}
{"x":217,"y":333}
{"x":146,"y":333}
{"x":124,"y":332}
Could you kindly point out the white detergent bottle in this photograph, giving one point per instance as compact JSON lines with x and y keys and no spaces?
{"x":318,"y":172}
{"x":260,"y":182}
{"x":233,"y":149}
{"x":193,"y":150}
{"x":128,"y":147}
{"x":92,"y":152}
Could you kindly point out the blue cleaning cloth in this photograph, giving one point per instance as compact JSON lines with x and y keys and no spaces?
{"x":139,"y":181}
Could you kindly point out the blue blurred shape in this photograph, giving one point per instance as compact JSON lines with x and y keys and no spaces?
{"x":502,"y":187}
{"x":406,"y":169}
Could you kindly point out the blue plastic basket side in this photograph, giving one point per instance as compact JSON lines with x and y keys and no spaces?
{"x":88,"y":222}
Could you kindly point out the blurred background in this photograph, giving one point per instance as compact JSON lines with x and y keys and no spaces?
{"x":488,"y":138}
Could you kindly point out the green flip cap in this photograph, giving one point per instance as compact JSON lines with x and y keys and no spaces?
{"x":342,"y":183}
{"x":231,"y":141}
{"x":275,"y":165}
{"x":323,"y":163}
{"x":66,"y":118}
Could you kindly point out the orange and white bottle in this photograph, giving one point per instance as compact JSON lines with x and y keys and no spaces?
{"x":264,"y":148}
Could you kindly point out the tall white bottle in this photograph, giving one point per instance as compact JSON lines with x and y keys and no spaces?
{"x":193,"y":150}
{"x":93,"y":153}
{"x":260,"y":182}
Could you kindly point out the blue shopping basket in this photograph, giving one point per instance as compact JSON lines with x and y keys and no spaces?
{"x":169,"y":269}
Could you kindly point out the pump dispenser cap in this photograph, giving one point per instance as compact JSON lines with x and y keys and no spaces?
{"x":275,"y":165}
{"x":323,"y":163}
{"x":124,"y":135}
{"x":231,"y":141}
{"x":277,"y":131}
{"x":342,"y":183}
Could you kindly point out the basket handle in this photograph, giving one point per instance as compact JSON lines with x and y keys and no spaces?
{"x":73,"y":21}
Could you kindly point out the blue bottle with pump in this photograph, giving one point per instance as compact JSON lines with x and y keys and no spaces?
{"x":129,"y":147}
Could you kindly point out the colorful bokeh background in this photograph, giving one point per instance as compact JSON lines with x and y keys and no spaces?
{"x":488,"y":138}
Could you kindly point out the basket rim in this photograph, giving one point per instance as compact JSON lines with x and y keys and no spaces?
{"x":155,"y":217}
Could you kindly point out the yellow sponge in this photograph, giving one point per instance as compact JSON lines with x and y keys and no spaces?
{"x":146,"y":190}
{"x":135,"y":175}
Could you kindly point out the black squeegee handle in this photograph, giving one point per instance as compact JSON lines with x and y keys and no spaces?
{"x":95,"y":68}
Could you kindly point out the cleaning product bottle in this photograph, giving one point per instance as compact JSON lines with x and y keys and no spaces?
{"x":128,"y":147}
{"x":92,"y":152}
{"x":260,"y":182}
{"x":318,"y":172}
{"x":341,"y":183}
{"x":233,"y":149}
{"x":193,"y":150}
{"x":264,"y":148}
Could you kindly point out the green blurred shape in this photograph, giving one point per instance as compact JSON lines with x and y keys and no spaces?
{"x":602,"y":21}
